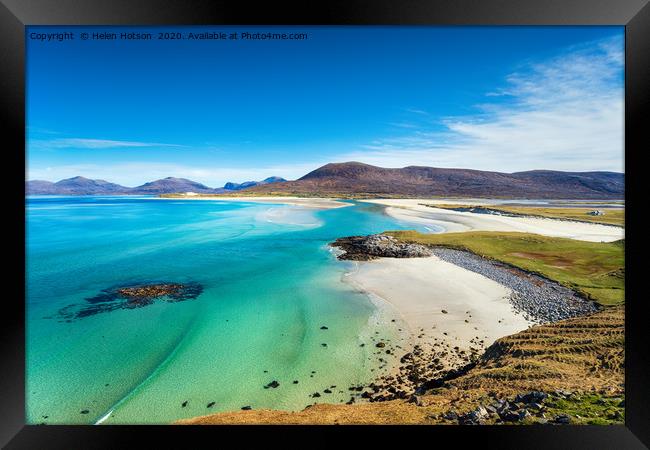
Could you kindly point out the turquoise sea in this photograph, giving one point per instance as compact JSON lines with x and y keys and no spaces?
{"x":269,"y":281}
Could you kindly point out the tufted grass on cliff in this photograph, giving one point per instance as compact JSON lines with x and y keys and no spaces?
{"x":595,"y":269}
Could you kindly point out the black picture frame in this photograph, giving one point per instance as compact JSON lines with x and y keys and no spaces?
{"x":16,"y":14}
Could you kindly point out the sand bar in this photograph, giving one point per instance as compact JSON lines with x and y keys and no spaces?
{"x":421,"y":288}
{"x":412,"y":210}
{"x":315,"y":203}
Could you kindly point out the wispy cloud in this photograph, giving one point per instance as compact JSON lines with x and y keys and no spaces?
{"x":563,"y":113}
{"x":85,"y":143}
{"x":417,"y":111}
{"x":404,"y":125}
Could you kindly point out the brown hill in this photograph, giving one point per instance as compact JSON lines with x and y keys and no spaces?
{"x":358,"y":179}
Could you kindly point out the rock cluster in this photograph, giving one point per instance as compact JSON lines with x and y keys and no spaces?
{"x":415,"y":371}
{"x":539,"y":408}
{"x":365,"y":248}
{"x":522,"y":407}
{"x":539,"y":299}
{"x":150,"y":291}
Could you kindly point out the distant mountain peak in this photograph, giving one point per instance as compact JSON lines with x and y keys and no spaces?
{"x":274,"y":179}
{"x":80,"y":185}
{"x":230,"y":186}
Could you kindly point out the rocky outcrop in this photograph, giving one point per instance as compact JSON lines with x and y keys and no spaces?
{"x":130,"y":297}
{"x":365,"y":248}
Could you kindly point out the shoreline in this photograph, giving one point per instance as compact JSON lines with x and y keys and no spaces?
{"x":411,"y":210}
{"x":446,"y":325}
{"x":311,"y":202}
{"x":454,"y":304}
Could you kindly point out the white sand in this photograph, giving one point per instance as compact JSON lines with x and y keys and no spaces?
{"x":420,"y":288}
{"x":315,"y":203}
{"x":412,"y":210}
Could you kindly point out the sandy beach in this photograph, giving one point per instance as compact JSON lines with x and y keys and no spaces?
{"x":412,"y":210}
{"x":315,"y":203}
{"x":420,"y":289}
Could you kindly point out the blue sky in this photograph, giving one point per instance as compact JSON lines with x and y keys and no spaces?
{"x":490,"y":98}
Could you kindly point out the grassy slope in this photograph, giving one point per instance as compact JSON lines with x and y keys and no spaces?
{"x":611,"y":217}
{"x":592,"y":268}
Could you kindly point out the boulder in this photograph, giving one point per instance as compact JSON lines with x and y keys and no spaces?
{"x":531,"y":397}
{"x":450,"y":415}
{"x":509,"y":416}
{"x":475,"y":417}
{"x":562,"y":419}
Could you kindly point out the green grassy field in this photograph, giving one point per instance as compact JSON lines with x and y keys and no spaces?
{"x":595,"y":269}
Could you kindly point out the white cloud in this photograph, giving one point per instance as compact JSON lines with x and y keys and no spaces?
{"x":565,"y":113}
{"x":89,"y":143}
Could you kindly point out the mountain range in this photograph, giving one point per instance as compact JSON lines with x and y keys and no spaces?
{"x":417,"y":181}
{"x":358,"y":179}
{"x":169,"y":185}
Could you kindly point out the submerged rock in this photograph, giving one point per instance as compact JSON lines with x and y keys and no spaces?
{"x":130,"y":297}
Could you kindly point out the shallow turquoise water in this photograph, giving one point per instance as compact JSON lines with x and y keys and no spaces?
{"x":270,"y":282}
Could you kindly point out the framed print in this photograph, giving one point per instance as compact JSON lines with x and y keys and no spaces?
{"x":367,"y":214}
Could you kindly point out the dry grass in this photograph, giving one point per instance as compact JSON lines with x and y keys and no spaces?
{"x":394,"y":412}
{"x":577,"y":354}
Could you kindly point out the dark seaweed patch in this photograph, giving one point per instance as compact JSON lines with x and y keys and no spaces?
{"x":130,"y":297}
